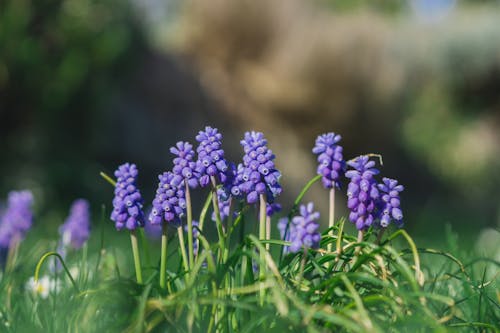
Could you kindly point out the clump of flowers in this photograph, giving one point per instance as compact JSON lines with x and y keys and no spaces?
{"x":17,"y":219}
{"x":302,"y":229}
{"x":184,"y":164}
{"x":390,"y":206}
{"x":362,"y":192}
{"x":76,"y":229}
{"x":127,"y":203}
{"x":330,"y":158}
{"x":169,"y":203}
{"x":211,"y":161}
{"x":258,"y":174}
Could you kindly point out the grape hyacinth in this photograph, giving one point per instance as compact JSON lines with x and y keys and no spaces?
{"x":211,"y":161}
{"x":127,"y":202}
{"x":302,"y":230}
{"x":362,"y":192}
{"x":258,"y":174}
{"x":331,"y":161}
{"x":17,"y":219}
{"x":169,"y":203}
{"x":76,"y":229}
{"x":390,"y":203}
{"x":184,"y":164}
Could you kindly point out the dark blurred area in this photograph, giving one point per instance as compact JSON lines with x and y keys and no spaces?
{"x":86,"y":85}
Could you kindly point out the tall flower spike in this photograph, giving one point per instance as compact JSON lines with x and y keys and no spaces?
{"x":211,"y":161}
{"x":390,"y":207}
{"x":258,"y":174}
{"x":362,"y":192}
{"x":184,"y":164}
{"x":331,"y":161}
{"x":302,"y":229}
{"x":17,"y":219}
{"x":76,"y":229}
{"x":127,"y":203}
{"x":169,"y":203}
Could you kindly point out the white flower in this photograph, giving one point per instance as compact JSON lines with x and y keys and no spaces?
{"x":43,"y":286}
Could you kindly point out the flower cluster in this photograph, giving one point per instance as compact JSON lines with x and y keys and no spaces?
{"x":302,"y":229}
{"x":76,"y":229}
{"x":211,"y":161}
{"x":127,"y":203}
{"x":184,"y":164}
{"x":390,"y":202}
{"x":362,"y":192}
{"x":258,"y":174}
{"x":331,"y":161}
{"x":17,"y":219}
{"x":169,"y":203}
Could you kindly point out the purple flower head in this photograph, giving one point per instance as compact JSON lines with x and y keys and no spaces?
{"x":331,"y":161}
{"x":258,"y":174}
{"x":272,"y":208}
{"x":17,"y":219}
{"x":362,"y":192}
{"x":390,"y":203}
{"x":302,"y":230}
{"x":184,"y":164}
{"x":127,"y":203}
{"x":76,"y":229}
{"x":169,"y":203}
{"x":211,"y":161}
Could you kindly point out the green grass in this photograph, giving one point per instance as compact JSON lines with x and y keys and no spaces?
{"x":366,"y":286}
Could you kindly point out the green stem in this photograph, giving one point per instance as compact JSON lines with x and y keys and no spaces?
{"x":223,"y":253}
{"x":204,"y":211}
{"x":331,"y":218}
{"x":163,"y":259}
{"x":190,"y":227}
{"x":42,"y":260}
{"x":145,"y":247}
{"x":137,"y":258}
{"x":183,"y":248}
{"x":108,"y":178}
{"x":268,"y":232}
{"x":262,"y":236}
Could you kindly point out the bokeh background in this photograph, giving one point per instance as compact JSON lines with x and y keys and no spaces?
{"x":86,"y":85}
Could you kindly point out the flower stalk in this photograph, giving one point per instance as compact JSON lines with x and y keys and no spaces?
{"x":137,"y":258}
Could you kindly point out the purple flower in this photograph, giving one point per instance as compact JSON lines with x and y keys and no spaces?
{"x":76,"y":229}
{"x":127,"y":203}
{"x":258,"y":174}
{"x":211,"y":161}
{"x":302,"y":230}
{"x":362,"y":192}
{"x":17,"y":219}
{"x":272,"y":208}
{"x":184,"y":164}
{"x":169,"y":203}
{"x":331,"y":161}
{"x":390,"y":203}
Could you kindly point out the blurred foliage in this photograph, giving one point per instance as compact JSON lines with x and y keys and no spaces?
{"x":419,"y":84}
{"x":58,"y":61}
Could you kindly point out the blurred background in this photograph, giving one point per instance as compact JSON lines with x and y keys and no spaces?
{"x":86,"y":85}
